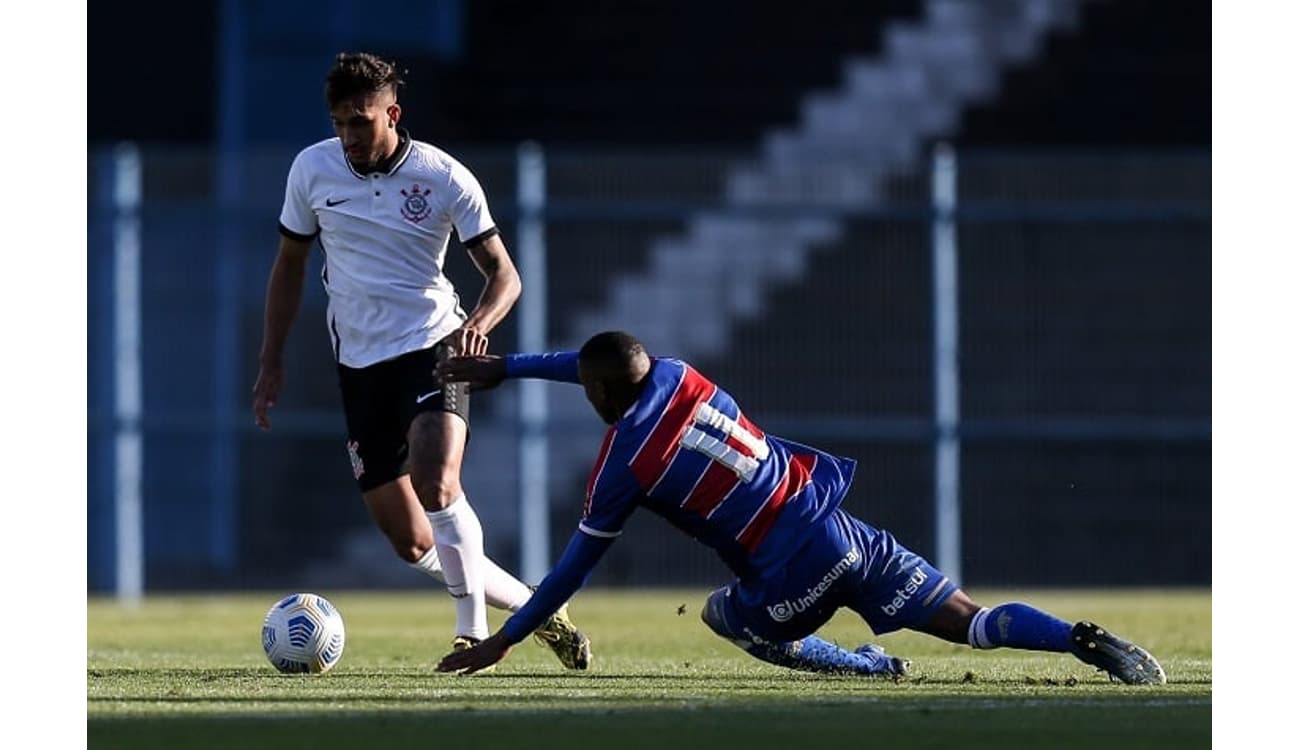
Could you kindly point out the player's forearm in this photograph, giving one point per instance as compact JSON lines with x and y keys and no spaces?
{"x":569,"y":575}
{"x":498,"y":297}
{"x":558,"y":366}
{"x":283,"y":297}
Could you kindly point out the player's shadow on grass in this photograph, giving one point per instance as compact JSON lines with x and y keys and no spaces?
{"x":750,"y":681}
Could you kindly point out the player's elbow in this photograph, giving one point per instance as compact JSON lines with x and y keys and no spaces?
{"x":512,"y":285}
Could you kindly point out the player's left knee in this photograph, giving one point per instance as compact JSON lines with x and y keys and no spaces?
{"x":436,"y":489}
{"x":712,"y":614}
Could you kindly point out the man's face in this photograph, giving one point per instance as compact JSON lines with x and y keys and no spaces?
{"x":367,"y":127}
{"x":597,"y":394}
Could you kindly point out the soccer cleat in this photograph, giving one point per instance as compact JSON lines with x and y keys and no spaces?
{"x":462,"y":642}
{"x":1127,"y":662}
{"x":896,"y":667}
{"x":561,"y":636}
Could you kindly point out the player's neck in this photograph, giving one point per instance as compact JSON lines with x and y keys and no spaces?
{"x":393,"y":148}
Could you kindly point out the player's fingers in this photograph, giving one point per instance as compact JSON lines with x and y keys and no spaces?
{"x":264,"y":394}
{"x":451,"y":663}
{"x":464,"y":341}
{"x":260,"y":416}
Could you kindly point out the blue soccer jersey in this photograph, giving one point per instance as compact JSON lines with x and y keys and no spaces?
{"x":686,"y":452}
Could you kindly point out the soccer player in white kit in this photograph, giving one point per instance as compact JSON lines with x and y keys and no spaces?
{"x":383,"y":207}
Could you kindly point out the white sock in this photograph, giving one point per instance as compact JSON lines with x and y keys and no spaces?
{"x":458,"y":538}
{"x":500,"y":589}
{"x":975,"y":633}
{"x":428,"y":563}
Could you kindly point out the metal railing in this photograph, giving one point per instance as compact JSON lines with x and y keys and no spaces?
{"x":1109,"y":252}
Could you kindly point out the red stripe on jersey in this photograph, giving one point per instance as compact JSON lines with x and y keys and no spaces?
{"x":749,"y":426}
{"x":739,"y":447}
{"x":797,"y":476}
{"x":598,"y":468}
{"x":657,"y":452}
{"x":713,"y":487}
{"x":678,"y":449}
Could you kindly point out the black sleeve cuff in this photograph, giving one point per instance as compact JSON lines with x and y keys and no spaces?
{"x":478,"y":239}
{"x":287,"y":232}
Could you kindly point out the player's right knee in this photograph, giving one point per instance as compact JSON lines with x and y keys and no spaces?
{"x":409,"y":548}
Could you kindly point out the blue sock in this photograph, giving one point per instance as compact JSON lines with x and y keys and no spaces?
{"x":812,"y":654}
{"x":1017,"y":625}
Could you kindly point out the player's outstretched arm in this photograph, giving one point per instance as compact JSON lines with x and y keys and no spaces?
{"x":561,"y":367}
{"x":569,"y":575}
{"x":488,"y":371}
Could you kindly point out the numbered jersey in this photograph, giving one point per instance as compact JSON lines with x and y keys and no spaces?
{"x":685,"y":451}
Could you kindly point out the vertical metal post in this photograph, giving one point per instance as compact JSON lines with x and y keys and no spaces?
{"x":534,"y":476}
{"x":223,"y":462}
{"x":128,"y":392}
{"x":947,"y":405}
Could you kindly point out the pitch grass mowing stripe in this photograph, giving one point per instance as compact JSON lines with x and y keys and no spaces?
{"x":188,"y":672}
{"x":911,"y":726}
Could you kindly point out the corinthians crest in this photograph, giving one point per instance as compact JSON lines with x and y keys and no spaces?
{"x":416,"y":207}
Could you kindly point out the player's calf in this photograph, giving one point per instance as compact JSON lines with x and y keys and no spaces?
{"x":1018,"y":625}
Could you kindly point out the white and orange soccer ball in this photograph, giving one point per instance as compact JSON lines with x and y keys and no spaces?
{"x":303,"y":633}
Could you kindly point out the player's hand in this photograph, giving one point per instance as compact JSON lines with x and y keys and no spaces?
{"x":265,"y":392}
{"x":467,"y":341}
{"x":482,"y":372}
{"x":482,"y":656}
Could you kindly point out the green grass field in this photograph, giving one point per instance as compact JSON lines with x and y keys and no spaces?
{"x":188,"y":672}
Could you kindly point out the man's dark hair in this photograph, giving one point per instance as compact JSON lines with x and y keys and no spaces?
{"x":357,"y":74}
{"x":615,"y":350}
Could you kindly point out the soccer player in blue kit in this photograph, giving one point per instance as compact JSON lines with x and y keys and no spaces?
{"x":681,"y":447}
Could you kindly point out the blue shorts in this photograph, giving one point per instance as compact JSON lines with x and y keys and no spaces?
{"x":845,"y":563}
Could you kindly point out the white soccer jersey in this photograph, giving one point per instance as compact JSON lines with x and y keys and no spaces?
{"x":385,"y":236}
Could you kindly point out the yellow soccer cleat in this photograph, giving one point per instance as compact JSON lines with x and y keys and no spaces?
{"x":561,"y":636}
